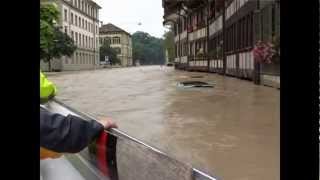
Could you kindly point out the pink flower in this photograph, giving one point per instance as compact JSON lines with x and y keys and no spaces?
{"x":263,"y":52}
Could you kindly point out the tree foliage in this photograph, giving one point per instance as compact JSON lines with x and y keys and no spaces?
{"x":63,"y":44}
{"x":49,"y":14}
{"x":147,"y":49}
{"x":53,"y":42}
{"x":106,"y":50}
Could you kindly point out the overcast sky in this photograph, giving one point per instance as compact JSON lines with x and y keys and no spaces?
{"x":126,"y":14}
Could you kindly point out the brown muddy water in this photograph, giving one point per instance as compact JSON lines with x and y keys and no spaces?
{"x":230,"y":131}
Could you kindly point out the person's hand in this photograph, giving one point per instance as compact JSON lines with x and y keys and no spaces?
{"x":108,"y":123}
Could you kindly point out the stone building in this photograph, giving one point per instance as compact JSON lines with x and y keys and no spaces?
{"x":118,"y":39}
{"x":80,"y":20}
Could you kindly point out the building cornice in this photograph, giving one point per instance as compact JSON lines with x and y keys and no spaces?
{"x":80,"y":11}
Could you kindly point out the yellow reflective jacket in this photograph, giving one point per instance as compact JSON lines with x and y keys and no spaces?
{"x":47,"y":91}
{"x":47,"y":88}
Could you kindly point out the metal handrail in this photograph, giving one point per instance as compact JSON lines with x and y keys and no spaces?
{"x":198,"y":175}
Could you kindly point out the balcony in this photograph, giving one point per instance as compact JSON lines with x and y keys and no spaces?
{"x":172,"y":6}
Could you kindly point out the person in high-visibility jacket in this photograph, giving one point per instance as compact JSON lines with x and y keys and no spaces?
{"x":47,"y":89}
{"x":64,"y":134}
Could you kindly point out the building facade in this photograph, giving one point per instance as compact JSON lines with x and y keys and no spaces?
{"x":80,"y":20}
{"x":119,"y":40}
{"x":219,"y":35}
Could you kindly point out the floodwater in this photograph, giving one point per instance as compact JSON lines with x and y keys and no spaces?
{"x":230,"y":131}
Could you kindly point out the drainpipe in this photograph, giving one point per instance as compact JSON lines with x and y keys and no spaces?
{"x":224,"y":59}
{"x":179,"y":50}
{"x":208,"y":34}
{"x":95,"y":43}
{"x":188,"y":45}
{"x":258,"y":21}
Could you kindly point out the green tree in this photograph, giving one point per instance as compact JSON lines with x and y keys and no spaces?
{"x":106,"y":50}
{"x":53,"y":42}
{"x":147,"y":49}
{"x":49,"y":14}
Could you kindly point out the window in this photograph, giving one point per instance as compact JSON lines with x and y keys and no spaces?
{"x":71,"y":18}
{"x":79,"y":21}
{"x":242,"y":33}
{"x":66,"y":29}
{"x":239,"y":35}
{"x":82,"y":23}
{"x":83,"y":40}
{"x":76,"y":34}
{"x":72,"y":35}
{"x":273,"y":20}
{"x":76,"y":20}
{"x":65,"y":15}
{"x":80,"y":39}
{"x":86,"y":42}
{"x":82,"y":6}
{"x":87,"y":10}
{"x":251,"y":30}
{"x":78,"y":4}
{"x":116,"y":40}
{"x":246,"y":31}
{"x":86,"y":25}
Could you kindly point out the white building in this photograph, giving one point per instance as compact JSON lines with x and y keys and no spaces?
{"x":80,"y":20}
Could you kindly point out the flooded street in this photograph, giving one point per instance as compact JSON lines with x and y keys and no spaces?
{"x":230,"y":131}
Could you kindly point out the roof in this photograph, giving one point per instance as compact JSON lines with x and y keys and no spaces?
{"x":94,"y":3}
{"x":106,"y":28}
